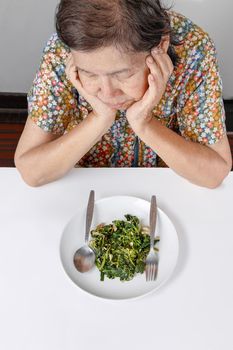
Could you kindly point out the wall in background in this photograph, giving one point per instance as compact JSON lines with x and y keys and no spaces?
{"x":26,"y":25}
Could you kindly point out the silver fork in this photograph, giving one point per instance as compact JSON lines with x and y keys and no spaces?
{"x":152,"y":258}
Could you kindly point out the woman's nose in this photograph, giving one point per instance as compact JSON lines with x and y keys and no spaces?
{"x":108,"y":90}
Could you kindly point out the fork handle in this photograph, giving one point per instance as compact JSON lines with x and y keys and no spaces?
{"x":89,"y":214}
{"x":153,"y":218}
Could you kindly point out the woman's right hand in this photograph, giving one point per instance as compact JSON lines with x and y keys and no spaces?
{"x":100,"y":109}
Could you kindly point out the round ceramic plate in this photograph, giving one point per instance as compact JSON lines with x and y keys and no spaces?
{"x":106,"y":210}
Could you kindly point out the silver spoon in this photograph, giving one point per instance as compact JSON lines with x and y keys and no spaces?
{"x":84,"y":257}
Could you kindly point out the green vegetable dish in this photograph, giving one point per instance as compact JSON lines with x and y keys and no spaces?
{"x":121,"y":248}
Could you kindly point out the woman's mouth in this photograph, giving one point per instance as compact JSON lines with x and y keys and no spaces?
{"x":115,"y":106}
{"x":118,"y":105}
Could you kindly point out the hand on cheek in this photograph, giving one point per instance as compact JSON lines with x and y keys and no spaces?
{"x":99,"y":108}
{"x":160,"y":68}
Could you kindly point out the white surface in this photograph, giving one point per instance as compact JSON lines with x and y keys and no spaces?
{"x":41,"y":309}
{"x":107,"y":210}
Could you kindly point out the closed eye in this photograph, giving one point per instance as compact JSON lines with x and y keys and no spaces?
{"x":124,"y":75}
{"x":86,"y":73}
{"x":90,"y":75}
{"x":119,"y":76}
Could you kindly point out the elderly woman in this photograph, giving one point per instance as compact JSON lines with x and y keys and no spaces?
{"x":125,"y":83}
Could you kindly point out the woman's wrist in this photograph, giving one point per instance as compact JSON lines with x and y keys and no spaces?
{"x":104,"y":121}
{"x":140,"y":126}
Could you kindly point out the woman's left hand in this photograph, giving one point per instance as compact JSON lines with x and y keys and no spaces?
{"x":160,"y":68}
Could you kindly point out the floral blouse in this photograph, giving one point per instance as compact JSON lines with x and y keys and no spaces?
{"x":192,"y":103}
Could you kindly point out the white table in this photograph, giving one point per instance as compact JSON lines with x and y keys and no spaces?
{"x":41,"y":309}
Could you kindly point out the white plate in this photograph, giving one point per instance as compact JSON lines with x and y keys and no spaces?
{"x":106,"y":210}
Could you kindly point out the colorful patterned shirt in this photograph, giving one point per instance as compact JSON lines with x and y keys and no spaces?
{"x":191,"y":105}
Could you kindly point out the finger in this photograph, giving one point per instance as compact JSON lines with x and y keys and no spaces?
{"x":154,"y":68}
{"x":153,"y":87}
{"x":165,"y":63}
{"x":70,"y":68}
{"x":74,"y":78}
{"x":72,"y":75}
{"x":151,"y":93}
{"x":68,"y":61}
{"x":156,"y":83}
{"x":69,"y":57}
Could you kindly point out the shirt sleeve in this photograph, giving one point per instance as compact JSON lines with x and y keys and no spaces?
{"x":201,"y":116}
{"x":52,"y":102}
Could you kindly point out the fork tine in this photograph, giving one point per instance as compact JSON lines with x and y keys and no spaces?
{"x":155,"y":271}
{"x":147,"y":272}
{"x":151,"y":271}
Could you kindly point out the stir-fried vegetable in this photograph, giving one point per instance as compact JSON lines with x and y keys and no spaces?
{"x":121,"y":248}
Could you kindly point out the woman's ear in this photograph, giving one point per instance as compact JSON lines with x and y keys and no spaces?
{"x":164,"y":43}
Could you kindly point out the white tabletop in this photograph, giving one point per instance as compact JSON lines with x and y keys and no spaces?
{"x":41,"y":309}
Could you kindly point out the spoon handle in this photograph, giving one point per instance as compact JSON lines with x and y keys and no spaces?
{"x":89,"y":215}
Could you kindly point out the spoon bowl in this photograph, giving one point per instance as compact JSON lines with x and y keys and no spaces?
{"x":84,"y":259}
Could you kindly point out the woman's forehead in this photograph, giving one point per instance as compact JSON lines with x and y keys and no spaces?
{"x":108,"y":59}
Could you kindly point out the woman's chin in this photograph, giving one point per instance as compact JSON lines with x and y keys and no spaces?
{"x":126,"y":105}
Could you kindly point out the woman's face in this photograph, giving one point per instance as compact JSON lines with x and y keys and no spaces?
{"x":118,"y":79}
